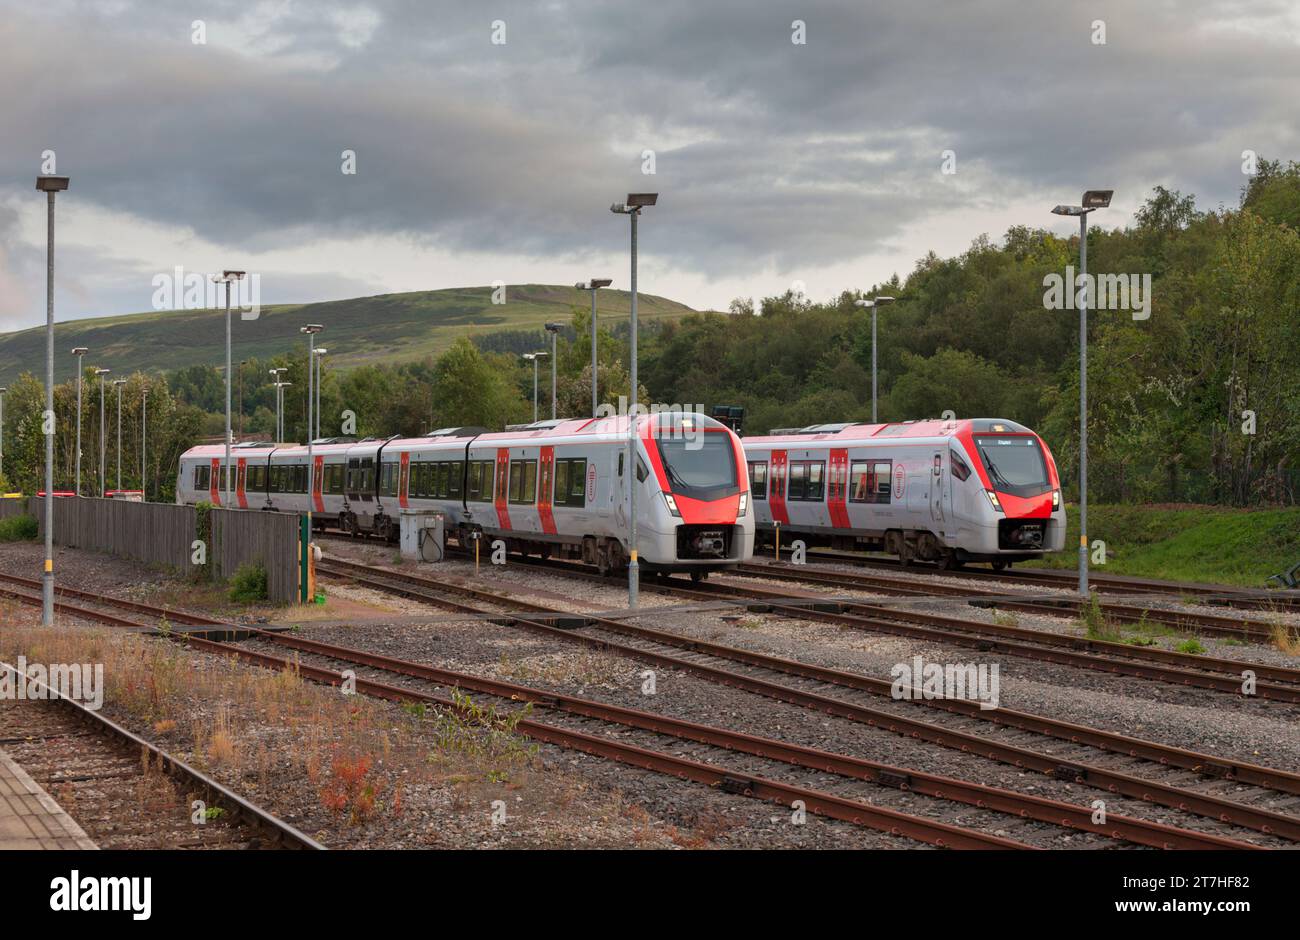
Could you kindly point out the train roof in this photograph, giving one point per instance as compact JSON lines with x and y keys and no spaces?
{"x":852,"y":431}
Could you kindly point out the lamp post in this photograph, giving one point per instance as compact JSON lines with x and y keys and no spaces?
{"x":533,"y":357}
{"x":79,"y":352}
{"x":103,"y":450}
{"x":320,"y":372}
{"x":242,"y":363}
{"x":311,"y":329}
{"x":279,"y":406}
{"x":554,"y":330}
{"x":50,"y":185}
{"x":144,"y":423}
{"x":3,"y":389}
{"x":874,"y":304}
{"x":593,"y":285}
{"x":632,"y":208}
{"x":227,"y":278}
{"x":119,"y":383}
{"x":1092,"y":199}
{"x":275,"y":380}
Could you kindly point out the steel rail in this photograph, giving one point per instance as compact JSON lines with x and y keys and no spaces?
{"x":280,"y":832}
{"x":1114,"y":781}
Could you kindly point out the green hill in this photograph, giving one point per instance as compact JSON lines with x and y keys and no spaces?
{"x":391,"y":327}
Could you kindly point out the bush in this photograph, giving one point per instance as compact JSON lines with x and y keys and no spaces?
{"x":249,"y":583}
{"x":19,"y":528}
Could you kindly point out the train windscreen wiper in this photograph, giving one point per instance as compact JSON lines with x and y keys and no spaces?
{"x":993,"y":469}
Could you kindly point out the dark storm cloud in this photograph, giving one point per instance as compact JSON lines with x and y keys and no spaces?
{"x":768,"y":153}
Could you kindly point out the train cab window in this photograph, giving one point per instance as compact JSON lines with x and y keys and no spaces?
{"x":570,"y":483}
{"x":959,"y":468}
{"x":806,"y":480}
{"x":641,"y":471}
{"x":523,"y":481}
{"x":758,"y":479}
{"x":869,"y":481}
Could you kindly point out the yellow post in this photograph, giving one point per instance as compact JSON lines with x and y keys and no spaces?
{"x":476,"y":544}
{"x":776,"y":548}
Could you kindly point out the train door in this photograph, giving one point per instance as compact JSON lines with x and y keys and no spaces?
{"x":776,"y":496}
{"x":241,"y":475}
{"x":503,"y":487}
{"x":545,"y":471}
{"x":837,"y":487}
{"x":937,"y":478}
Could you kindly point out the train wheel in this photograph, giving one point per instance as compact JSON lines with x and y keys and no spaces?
{"x":950,"y":562}
{"x":699,"y":576}
{"x":1000,"y":565}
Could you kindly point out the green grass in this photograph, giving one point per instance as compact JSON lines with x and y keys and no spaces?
{"x":1188,"y":543}
{"x":249,"y":584}
{"x":19,"y":529}
{"x":387,"y":327}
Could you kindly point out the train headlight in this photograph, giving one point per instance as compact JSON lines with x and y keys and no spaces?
{"x":672,"y":505}
{"x":744,"y":504}
{"x":1056,"y":500}
{"x":993,"y":501}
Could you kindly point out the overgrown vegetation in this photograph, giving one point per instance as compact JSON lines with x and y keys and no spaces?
{"x":249,"y":584}
{"x":19,"y":529}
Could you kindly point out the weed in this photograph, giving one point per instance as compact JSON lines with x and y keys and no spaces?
{"x":1192,"y":646}
{"x":249,"y":583}
{"x":19,"y":529}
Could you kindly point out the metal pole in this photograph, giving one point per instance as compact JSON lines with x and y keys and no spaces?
{"x":103,"y":450}
{"x":534,"y":389}
{"x":241,"y":401}
{"x":873,"y":364}
{"x":311,"y":463}
{"x":1083,"y":407}
{"x":144,"y":424}
{"x":554,"y":368}
{"x":2,"y":433}
{"x":80,"y":370}
{"x":47,"y":579}
{"x":316,"y":423}
{"x":593,"y":352}
{"x":119,"y":385}
{"x":225,"y":499}
{"x":633,"y":569}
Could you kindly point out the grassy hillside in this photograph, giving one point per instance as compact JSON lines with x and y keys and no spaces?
{"x":1189,"y":543}
{"x":392,"y":327}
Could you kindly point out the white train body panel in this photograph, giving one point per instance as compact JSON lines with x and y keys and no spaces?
{"x":977,"y":489}
{"x":551,"y":487}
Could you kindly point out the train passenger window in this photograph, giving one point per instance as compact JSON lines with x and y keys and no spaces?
{"x":479,"y":484}
{"x":456,"y":476}
{"x":388,"y":479}
{"x":300,"y":478}
{"x":334,"y":478}
{"x":202,"y":477}
{"x":959,"y":468}
{"x":561,"y":494}
{"x":523,"y":481}
{"x":758,"y":479}
{"x":869,"y":481}
{"x":570,"y":483}
{"x":806,"y":480}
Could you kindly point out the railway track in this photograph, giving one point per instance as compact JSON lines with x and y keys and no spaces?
{"x":1118,"y":764}
{"x":1209,"y":624}
{"x":125,"y":792}
{"x":584,"y":718}
{"x":1216,"y":594}
{"x":1228,"y":676}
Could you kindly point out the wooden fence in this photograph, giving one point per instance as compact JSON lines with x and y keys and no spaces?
{"x":244,"y":536}
{"x":164,"y":534}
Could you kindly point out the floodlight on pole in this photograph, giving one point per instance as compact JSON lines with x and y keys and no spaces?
{"x":554,"y":330}
{"x":632,"y":208}
{"x":118,"y":383}
{"x":311,"y":329}
{"x":593,"y":285}
{"x":533,"y":357}
{"x":79,"y":352}
{"x":275,"y":381}
{"x":1092,"y":199}
{"x":103,"y":450}
{"x":875,"y":303}
{"x":227,"y":278}
{"x":50,"y":185}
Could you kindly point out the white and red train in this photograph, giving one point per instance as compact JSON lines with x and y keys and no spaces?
{"x":554,"y":487}
{"x":978,"y":489}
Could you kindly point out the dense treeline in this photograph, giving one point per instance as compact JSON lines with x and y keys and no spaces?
{"x":1189,"y":404}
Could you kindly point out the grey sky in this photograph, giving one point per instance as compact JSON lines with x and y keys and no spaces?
{"x":776,"y":162}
